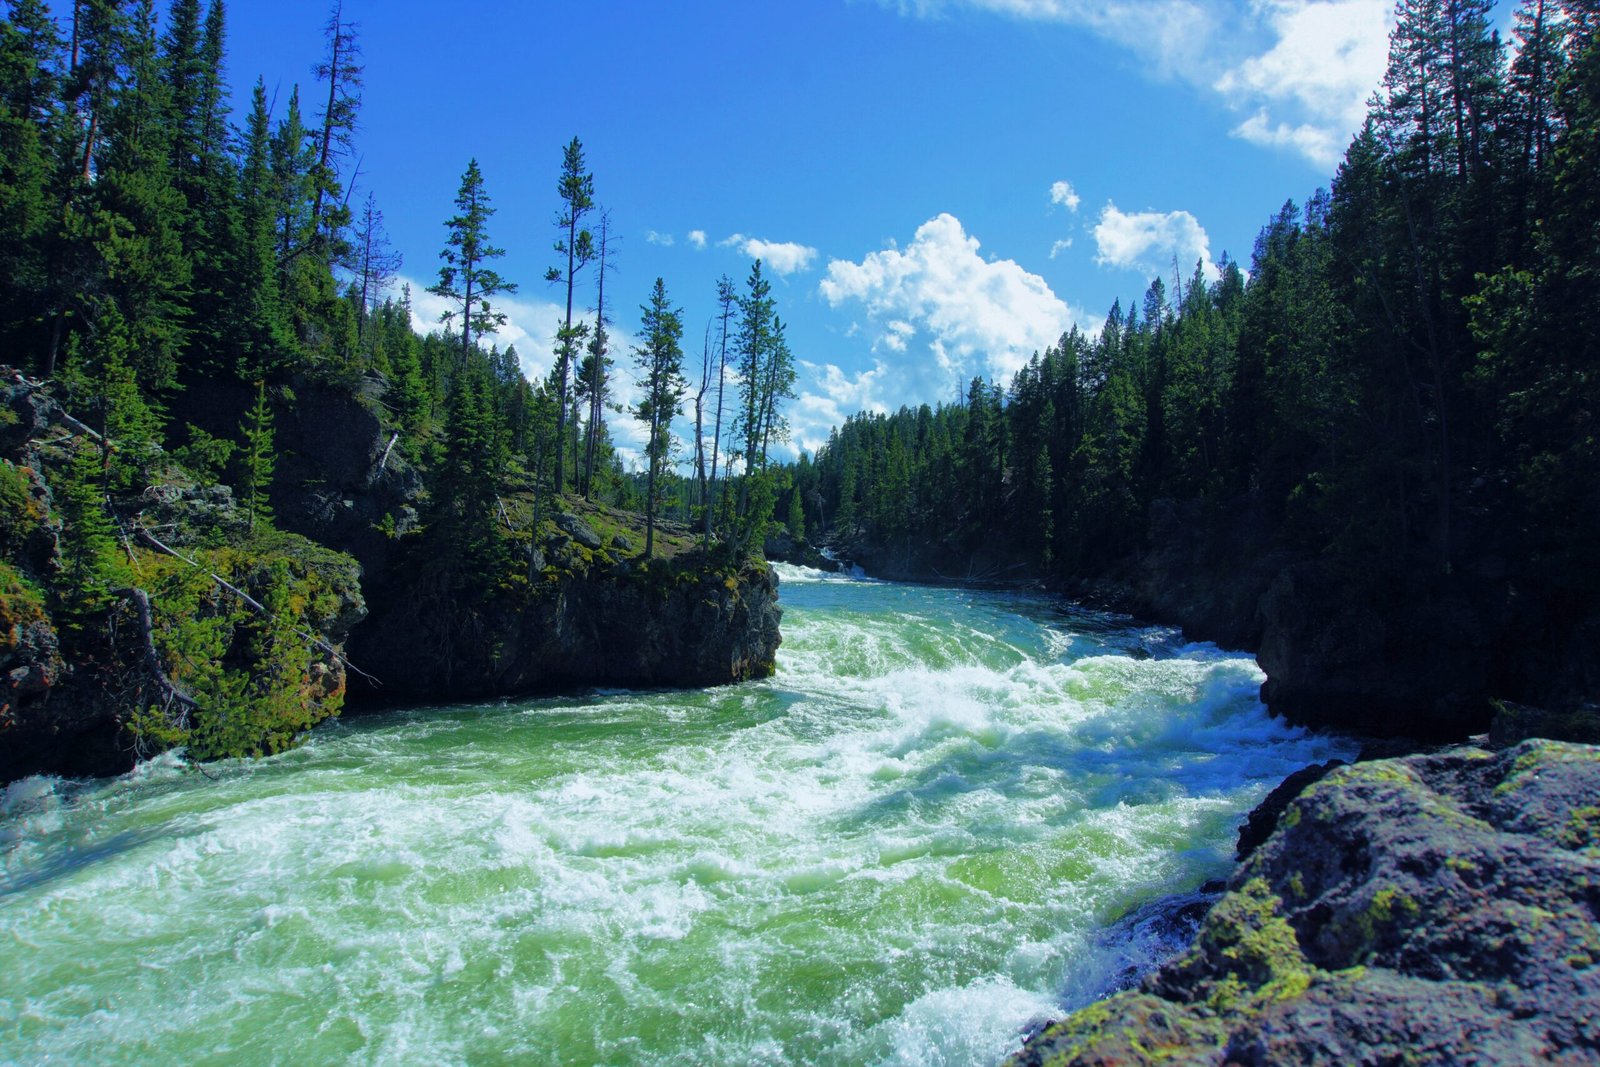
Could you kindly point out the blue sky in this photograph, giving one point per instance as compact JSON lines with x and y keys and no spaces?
{"x":938,"y":187}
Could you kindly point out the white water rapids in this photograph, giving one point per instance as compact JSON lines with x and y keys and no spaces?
{"x":915,"y":839}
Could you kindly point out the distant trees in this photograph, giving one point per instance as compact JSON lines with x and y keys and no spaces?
{"x":1403,"y":388}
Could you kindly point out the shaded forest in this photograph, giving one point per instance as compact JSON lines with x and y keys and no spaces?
{"x":1398,"y":398}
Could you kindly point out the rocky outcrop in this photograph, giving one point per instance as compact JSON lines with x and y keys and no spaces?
{"x":190,"y":633}
{"x":340,"y":478}
{"x":588,"y":617}
{"x":1438,"y":909}
{"x":1422,"y":668}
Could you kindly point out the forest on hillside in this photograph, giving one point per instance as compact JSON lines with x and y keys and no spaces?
{"x":209,"y":306}
{"x":148,"y":242}
{"x":1403,"y":386}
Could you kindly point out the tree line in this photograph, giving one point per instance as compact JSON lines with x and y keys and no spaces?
{"x":150,"y":240}
{"x":1403,"y":386}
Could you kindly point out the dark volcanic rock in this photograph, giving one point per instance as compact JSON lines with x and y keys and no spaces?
{"x":1260,"y":823}
{"x":1438,"y":909}
{"x":592,"y":623}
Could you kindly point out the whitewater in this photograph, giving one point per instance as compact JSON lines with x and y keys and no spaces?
{"x":937,"y":824}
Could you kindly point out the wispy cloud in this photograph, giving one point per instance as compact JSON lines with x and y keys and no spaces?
{"x":666,"y":240}
{"x":1300,"y":71}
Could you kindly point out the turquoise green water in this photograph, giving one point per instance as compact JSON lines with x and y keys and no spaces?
{"x":901,"y":849}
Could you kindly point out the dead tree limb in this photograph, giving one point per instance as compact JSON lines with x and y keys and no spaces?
{"x":384,"y":462}
{"x":152,"y":659}
{"x":315,"y":640}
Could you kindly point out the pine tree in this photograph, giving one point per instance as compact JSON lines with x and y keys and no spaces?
{"x":30,"y":123}
{"x":593,"y":382}
{"x":257,"y":459}
{"x":576,"y":189}
{"x":465,"y":279}
{"x":256,"y":340}
{"x":660,"y":362}
{"x":374,"y":264}
{"x":335,"y":138}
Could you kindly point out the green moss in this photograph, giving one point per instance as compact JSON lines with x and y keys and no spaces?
{"x":1388,"y":905}
{"x":1259,"y":947}
{"x":1291,"y":817}
{"x":1297,"y":886}
{"x":1582,"y":829}
{"x":20,"y":513}
{"x":259,"y":680}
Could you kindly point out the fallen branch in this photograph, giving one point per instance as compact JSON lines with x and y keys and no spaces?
{"x":76,"y":425}
{"x":315,"y":639}
{"x":384,"y":462}
{"x":152,"y":659}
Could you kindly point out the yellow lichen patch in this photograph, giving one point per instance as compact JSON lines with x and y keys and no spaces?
{"x":1261,"y":948}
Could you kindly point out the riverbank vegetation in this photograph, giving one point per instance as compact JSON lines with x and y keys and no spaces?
{"x":192,"y":307}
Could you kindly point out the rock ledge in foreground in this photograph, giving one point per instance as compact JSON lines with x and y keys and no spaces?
{"x":1439,"y":909}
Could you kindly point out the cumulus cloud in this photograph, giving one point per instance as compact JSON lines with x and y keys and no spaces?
{"x":781,"y":257}
{"x":663,"y":239}
{"x":1064,"y":194}
{"x":1150,"y":240}
{"x":1327,"y":58}
{"x":828,"y":396}
{"x":698,"y":239}
{"x":1300,"y":70}
{"x":977,"y":316}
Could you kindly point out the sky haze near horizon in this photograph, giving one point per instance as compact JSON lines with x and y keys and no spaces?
{"x":937,"y":188}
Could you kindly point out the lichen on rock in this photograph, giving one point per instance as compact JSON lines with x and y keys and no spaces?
{"x":1438,"y":909}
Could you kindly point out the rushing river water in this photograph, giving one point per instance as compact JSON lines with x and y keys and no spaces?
{"x":916,"y":838}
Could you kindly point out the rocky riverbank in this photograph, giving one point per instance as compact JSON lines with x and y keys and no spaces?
{"x":1433,"y":909}
{"x":197,"y":627}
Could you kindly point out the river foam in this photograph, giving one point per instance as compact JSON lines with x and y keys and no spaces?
{"x":907,"y":845}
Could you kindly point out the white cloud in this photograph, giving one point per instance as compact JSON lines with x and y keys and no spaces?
{"x":1301,"y":69}
{"x":1327,"y":58}
{"x":979,"y":316}
{"x":1064,"y":194}
{"x":829,"y":396}
{"x":781,"y":257}
{"x":1314,"y":142}
{"x":1060,"y":247}
{"x":1149,"y":241}
{"x":698,"y":239}
{"x":663,"y":239}
{"x":1173,"y":35}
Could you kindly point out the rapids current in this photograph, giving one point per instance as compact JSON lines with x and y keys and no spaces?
{"x":916,"y":838}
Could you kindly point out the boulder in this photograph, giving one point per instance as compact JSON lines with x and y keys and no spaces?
{"x":578,"y":530}
{"x":1437,"y":909}
{"x":1260,"y":823}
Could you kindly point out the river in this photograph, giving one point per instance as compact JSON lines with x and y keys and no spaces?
{"x":922,"y":833}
